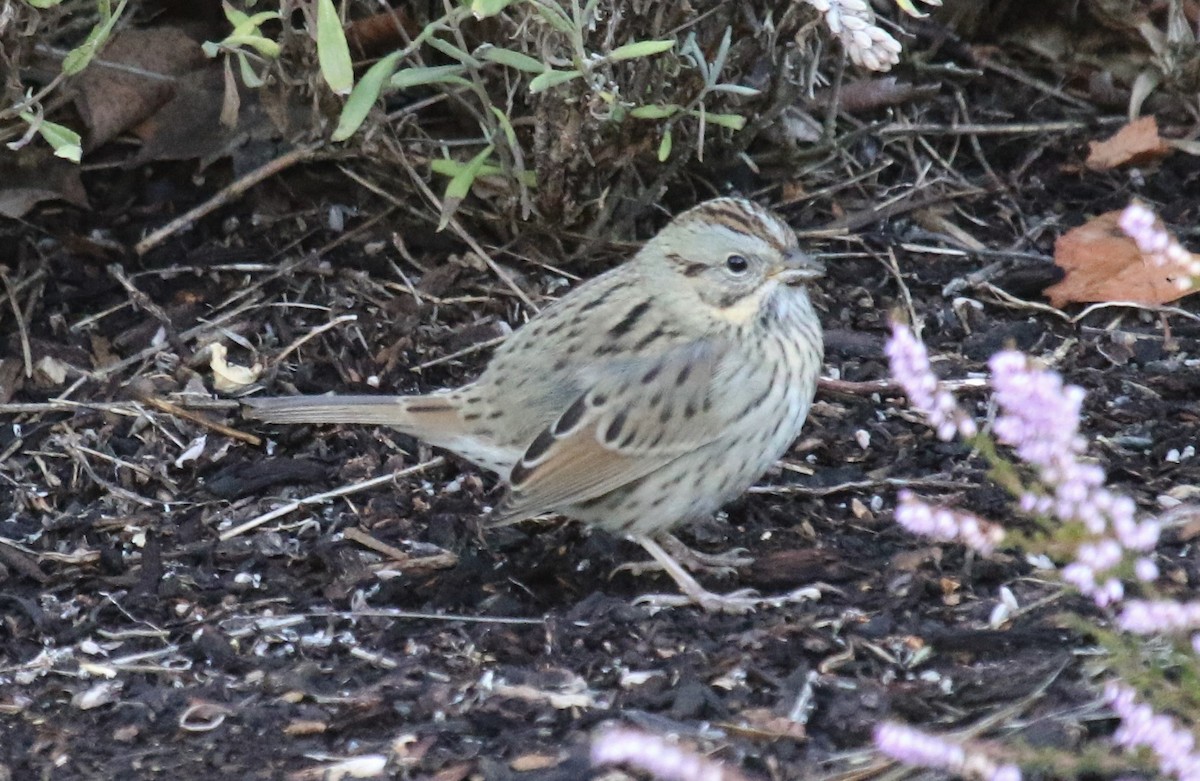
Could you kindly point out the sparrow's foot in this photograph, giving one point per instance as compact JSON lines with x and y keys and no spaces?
{"x":737,"y":602}
{"x":718,"y":564}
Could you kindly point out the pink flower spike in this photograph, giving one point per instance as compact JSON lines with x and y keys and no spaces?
{"x":1158,"y":246}
{"x":921,"y":749}
{"x":942,"y":523}
{"x":1172,"y":744}
{"x":1149,"y":617}
{"x":910,"y":367}
{"x":657,"y":756}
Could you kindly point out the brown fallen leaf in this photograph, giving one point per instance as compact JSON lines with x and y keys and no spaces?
{"x":1103,"y":264}
{"x":135,"y":78}
{"x":31,"y":176}
{"x":1137,"y":143}
{"x":535,"y":761}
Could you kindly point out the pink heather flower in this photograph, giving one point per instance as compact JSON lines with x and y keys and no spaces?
{"x":1148,"y":617}
{"x":1171,"y":744}
{"x":1145,"y":570}
{"x":656,"y":756}
{"x":942,"y":523}
{"x":910,"y":367}
{"x":921,"y":749}
{"x":1039,"y":419}
{"x":1159,"y":246}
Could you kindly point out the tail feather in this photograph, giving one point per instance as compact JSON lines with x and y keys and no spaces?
{"x":414,"y":414}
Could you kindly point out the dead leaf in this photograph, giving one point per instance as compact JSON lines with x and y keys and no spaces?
{"x":33,"y":175}
{"x":1137,"y":143}
{"x":535,"y":761}
{"x":11,"y":378}
{"x":134,"y":78}
{"x":764,"y":723}
{"x":1103,"y":264}
{"x":305,"y":727}
{"x":51,"y":370}
{"x":230,"y":377}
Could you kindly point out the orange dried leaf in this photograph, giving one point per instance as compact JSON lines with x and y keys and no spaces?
{"x":1137,"y":143}
{"x":1103,"y":264}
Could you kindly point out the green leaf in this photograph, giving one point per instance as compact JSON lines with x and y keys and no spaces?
{"x":447,"y":167}
{"x":365,"y":93}
{"x":511,"y":59}
{"x":78,"y":58}
{"x":437,"y":74}
{"x":66,"y":142}
{"x":333,"y":53}
{"x":250,"y":24}
{"x":736,"y":89}
{"x":664,"y":146}
{"x":555,"y":17}
{"x":264,"y":46}
{"x":731,"y":121}
{"x":450,"y":50}
{"x":234,"y":16}
{"x":907,"y":7}
{"x":485,"y":8}
{"x":43,"y":4}
{"x":552,"y":78}
{"x":460,"y":185}
{"x":640,"y":49}
{"x":249,"y":77}
{"x":654,"y":112}
{"x":510,"y":133}
{"x":718,"y":63}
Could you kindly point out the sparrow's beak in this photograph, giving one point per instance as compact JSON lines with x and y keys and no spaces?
{"x":799,"y":267}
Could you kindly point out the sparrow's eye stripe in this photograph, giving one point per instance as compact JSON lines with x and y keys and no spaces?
{"x":687,"y":267}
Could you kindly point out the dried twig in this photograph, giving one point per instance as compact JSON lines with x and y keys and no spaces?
{"x":200,"y":420}
{"x":26,"y":351}
{"x":455,"y":225}
{"x":406,"y":561}
{"x":320,"y":498}
{"x":224,"y":196}
{"x":484,"y":345}
{"x":314,"y":332}
{"x":128,"y":408}
{"x":142,"y":301}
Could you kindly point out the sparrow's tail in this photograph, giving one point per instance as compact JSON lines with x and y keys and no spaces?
{"x":434,"y":417}
{"x":417,"y":415}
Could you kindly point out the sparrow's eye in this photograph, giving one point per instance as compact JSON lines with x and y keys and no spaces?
{"x":737,"y":264}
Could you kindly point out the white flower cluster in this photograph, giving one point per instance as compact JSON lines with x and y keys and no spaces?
{"x":853,"y":22}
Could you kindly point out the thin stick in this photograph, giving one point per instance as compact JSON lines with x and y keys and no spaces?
{"x":454,"y":224}
{"x":155,"y":349}
{"x":441,"y":560}
{"x":345,"y":490}
{"x":460,"y":353}
{"x":116,"y":407}
{"x":315,"y":332}
{"x":1003,"y":129}
{"x":224,"y":196}
{"x":200,"y":420}
{"x":26,"y":351}
{"x":408,"y":614}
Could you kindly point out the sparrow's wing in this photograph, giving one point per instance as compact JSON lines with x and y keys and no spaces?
{"x":636,"y":416}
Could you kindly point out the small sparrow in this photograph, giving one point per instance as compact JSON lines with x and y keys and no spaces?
{"x":645,"y":398}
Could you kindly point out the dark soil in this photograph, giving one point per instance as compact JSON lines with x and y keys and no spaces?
{"x":136,"y":643}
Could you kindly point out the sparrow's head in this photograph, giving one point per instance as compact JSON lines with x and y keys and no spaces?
{"x":734,"y":255}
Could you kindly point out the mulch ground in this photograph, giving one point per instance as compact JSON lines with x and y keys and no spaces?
{"x":384,"y":626}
